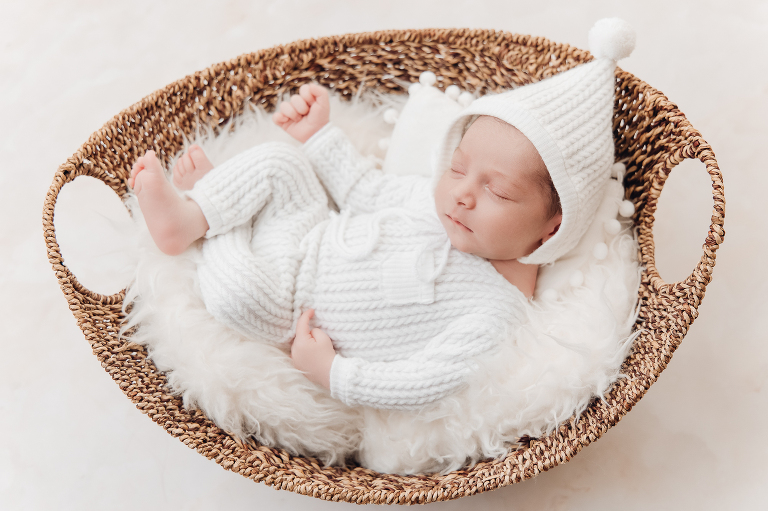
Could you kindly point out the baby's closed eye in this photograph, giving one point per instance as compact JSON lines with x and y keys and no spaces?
{"x":499,"y":194}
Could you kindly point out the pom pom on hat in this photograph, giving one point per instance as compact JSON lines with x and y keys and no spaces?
{"x":466,"y":98}
{"x":612,"y":227}
{"x":427,"y":78}
{"x":414,"y":88}
{"x":390,"y":116}
{"x":611,"y":38}
{"x":626,"y":208}
{"x":453,"y":92}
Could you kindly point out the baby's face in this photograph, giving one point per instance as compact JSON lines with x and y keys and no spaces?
{"x":491,"y":201}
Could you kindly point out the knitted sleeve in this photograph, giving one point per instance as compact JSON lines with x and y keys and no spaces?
{"x":353,"y":180}
{"x":438,"y":370}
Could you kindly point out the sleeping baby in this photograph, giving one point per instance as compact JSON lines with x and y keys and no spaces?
{"x":414,"y":277}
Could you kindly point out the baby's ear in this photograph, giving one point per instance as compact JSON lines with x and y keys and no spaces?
{"x":552,"y":226}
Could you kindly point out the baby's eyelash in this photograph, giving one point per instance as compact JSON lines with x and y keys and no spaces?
{"x":497,"y":195}
{"x":487,"y":188}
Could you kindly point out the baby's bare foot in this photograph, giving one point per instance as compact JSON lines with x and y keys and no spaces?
{"x":173,"y":222}
{"x":190,"y":168}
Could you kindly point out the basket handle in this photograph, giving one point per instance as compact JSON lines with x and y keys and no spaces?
{"x":74,"y":167}
{"x":702,"y":274}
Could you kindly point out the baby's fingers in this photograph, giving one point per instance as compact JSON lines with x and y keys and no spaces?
{"x":306,"y":94}
{"x":289,"y":111}
{"x":279,"y":118}
{"x":320,"y":336}
{"x":299,"y":104}
{"x":314,"y":91}
{"x":136,"y":166}
{"x":302,"y":328}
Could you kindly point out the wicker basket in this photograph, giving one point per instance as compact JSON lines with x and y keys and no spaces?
{"x":651,"y":135}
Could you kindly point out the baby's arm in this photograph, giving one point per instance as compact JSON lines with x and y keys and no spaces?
{"x":440,"y":369}
{"x":350,"y":178}
{"x":429,"y":375}
{"x":354,"y":181}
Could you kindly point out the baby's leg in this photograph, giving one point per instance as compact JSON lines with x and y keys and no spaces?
{"x":237,"y":190}
{"x":249,"y":265}
{"x":190,"y":168}
{"x":173,"y":222}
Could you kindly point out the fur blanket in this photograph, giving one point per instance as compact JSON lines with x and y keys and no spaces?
{"x":567,"y":352}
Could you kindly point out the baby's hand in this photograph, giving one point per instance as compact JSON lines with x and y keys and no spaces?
{"x":312,"y":352}
{"x":305,"y":113}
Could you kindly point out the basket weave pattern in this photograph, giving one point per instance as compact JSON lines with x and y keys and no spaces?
{"x":651,"y":135}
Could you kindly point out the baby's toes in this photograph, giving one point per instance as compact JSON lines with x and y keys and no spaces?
{"x":179,"y":171}
{"x":186,"y":164}
{"x":176,"y":167}
{"x":199,"y":161}
{"x":176,"y":175}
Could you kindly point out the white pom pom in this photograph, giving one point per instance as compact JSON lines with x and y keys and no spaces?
{"x":549,"y":295}
{"x":618,"y":170}
{"x":465,"y":99}
{"x":427,"y":78}
{"x":453,"y":91}
{"x":611,"y":38}
{"x":612,"y":227}
{"x":626,"y":209}
{"x":600,"y":251}
{"x":384,"y":144}
{"x":577,"y":278}
{"x":414,"y":88}
{"x":390,"y":116}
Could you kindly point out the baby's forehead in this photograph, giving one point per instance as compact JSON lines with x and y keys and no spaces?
{"x":507,"y":140}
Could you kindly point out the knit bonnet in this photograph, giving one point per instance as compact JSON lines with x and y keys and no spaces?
{"x":569,"y":119}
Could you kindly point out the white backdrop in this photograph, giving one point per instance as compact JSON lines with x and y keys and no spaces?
{"x":69,"y":439}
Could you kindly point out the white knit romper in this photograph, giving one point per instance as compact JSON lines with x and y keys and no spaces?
{"x":406,"y":311}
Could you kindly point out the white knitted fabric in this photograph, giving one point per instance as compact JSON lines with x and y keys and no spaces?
{"x":268,"y":194}
{"x":407,"y":312}
{"x":568,"y":118}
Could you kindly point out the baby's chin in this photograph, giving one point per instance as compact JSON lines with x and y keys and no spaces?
{"x":462,"y":244}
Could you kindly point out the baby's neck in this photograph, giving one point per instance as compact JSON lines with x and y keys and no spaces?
{"x":522,"y":276}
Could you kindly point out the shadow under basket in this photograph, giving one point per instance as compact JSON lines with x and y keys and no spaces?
{"x":651,"y":136}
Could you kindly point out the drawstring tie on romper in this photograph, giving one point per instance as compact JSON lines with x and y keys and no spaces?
{"x":437,"y":238}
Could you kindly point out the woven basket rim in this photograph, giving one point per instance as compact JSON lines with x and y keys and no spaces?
{"x":303,"y":475}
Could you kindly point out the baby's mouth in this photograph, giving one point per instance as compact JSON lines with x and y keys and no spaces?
{"x":458,"y":223}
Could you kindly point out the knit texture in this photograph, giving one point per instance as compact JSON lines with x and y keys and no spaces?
{"x":260,"y":206}
{"x":404,"y":338}
{"x":406,"y":311}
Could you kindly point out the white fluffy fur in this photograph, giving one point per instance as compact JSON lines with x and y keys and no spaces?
{"x":568,"y":352}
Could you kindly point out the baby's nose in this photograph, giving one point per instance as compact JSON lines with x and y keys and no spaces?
{"x":465,"y":197}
